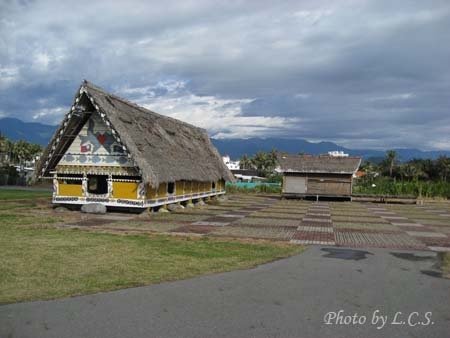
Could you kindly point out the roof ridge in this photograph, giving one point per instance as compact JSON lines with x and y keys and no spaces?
{"x":322,"y":156}
{"x":140,"y":108}
{"x":184,"y":151}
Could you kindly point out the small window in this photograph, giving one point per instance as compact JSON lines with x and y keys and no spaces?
{"x":98,"y":184}
{"x":213,"y":185}
{"x":171,"y":187}
{"x":126,"y":177}
{"x":71,"y":179}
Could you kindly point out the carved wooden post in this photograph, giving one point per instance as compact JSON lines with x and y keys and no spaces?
{"x":110,"y":186}
{"x":84,"y":185}
{"x":55,"y":185}
{"x":142,"y":190}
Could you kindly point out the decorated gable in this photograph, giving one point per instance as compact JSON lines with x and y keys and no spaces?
{"x":95,"y":146}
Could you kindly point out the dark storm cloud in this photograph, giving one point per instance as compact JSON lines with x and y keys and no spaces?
{"x":363,"y":73}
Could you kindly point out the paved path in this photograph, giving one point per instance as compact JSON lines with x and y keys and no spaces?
{"x":287,"y":298}
{"x":357,"y":225}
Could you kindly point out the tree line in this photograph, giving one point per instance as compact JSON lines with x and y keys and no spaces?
{"x":419,"y":177}
{"x":413,"y":170}
{"x":264,"y":162}
{"x":17,"y":153}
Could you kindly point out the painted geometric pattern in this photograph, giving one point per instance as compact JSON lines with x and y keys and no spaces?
{"x":95,"y":145}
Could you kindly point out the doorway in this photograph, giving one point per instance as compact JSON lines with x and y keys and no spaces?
{"x":98,"y":184}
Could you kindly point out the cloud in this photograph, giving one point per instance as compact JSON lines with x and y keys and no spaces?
{"x":8,"y":76}
{"x":403,"y":96}
{"x":50,"y":115}
{"x":221,"y":117}
{"x":363,"y":73}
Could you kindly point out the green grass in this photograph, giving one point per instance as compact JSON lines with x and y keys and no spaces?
{"x":388,"y":186}
{"x":232,"y":189}
{"x":42,"y":262}
{"x":144,"y":225}
{"x":6,"y":194}
{"x":12,"y":206}
{"x":251,"y":232}
{"x":9,"y":219}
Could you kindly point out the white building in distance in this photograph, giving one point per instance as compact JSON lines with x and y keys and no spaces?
{"x":232,"y":165}
{"x":337,"y":153}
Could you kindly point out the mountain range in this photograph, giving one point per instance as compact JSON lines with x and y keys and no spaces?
{"x":39,"y":133}
{"x":32,"y":132}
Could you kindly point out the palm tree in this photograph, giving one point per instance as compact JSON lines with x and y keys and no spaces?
{"x":245,"y":162}
{"x":259,"y":161}
{"x":272,"y":159}
{"x":3,"y":148}
{"x":443,"y":165}
{"x":6,"y":149}
{"x":391,"y":159}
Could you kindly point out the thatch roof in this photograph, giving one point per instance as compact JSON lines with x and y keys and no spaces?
{"x":318,"y":164}
{"x":164,"y":149}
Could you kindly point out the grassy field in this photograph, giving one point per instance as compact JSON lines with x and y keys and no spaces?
{"x":389,"y":186}
{"x":39,"y":261}
{"x":6,"y":194}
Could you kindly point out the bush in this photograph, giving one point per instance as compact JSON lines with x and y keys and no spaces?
{"x":257,"y":188}
{"x":388,"y":186}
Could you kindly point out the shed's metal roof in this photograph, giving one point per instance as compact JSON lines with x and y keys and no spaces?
{"x":318,"y":164}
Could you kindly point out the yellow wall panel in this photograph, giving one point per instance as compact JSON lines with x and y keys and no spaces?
{"x":126,"y":190}
{"x":187,"y":187}
{"x":151,"y":192}
{"x":162,"y":190}
{"x":70,"y":189}
{"x":179,"y":188}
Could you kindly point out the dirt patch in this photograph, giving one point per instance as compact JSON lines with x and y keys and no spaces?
{"x":196,"y":229}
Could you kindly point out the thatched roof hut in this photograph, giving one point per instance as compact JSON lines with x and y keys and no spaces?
{"x":163,"y":149}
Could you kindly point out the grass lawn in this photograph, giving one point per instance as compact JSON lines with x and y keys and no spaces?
{"x":152,"y":226}
{"x":38,"y":261}
{"x":18,"y":205}
{"x":6,"y":194}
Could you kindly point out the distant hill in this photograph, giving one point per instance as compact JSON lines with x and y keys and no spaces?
{"x":33,"y":132}
{"x":235,"y":148}
{"x":39,"y":133}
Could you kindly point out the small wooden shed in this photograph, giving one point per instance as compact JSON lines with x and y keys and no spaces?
{"x":317,"y":176}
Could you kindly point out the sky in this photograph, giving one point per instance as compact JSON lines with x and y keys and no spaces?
{"x":364,"y":74}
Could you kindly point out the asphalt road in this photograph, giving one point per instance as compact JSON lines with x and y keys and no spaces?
{"x":287,"y":298}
